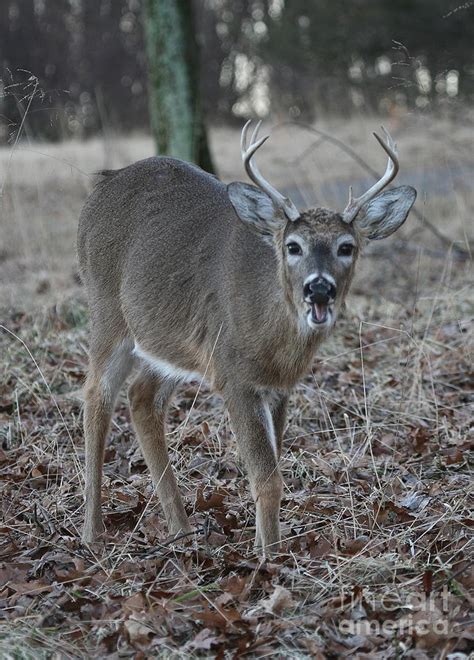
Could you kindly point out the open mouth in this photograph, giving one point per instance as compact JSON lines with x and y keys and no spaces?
{"x":319,"y":315}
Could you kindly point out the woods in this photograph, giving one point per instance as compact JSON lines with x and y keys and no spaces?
{"x":254,"y":56}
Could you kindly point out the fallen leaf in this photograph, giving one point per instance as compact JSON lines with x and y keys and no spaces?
{"x":204,"y":640}
{"x":138,"y":632}
{"x":281,"y":599}
{"x":353,"y":546}
{"x":214,"y":501}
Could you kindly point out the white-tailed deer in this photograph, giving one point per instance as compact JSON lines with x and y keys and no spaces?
{"x":186,"y":275}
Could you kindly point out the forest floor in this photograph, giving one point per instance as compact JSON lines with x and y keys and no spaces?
{"x":377,"y":461}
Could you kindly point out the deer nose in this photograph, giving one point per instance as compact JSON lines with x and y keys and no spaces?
{"x":319,"y":290}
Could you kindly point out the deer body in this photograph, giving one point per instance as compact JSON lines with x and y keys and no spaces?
{"x":175,"y":287}
{"x":178,"y":285}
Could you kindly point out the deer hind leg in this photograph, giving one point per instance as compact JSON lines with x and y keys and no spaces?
{"x":149,"y":396}
{"x":107,"y":371}
{"x":252,"y":422}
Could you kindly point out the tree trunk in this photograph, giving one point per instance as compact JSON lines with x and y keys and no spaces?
{"x":173,"y":70}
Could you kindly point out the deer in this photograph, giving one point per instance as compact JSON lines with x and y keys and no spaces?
{"x":188,"y":277}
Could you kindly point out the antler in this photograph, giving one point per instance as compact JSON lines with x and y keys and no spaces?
{"x":248,"y":152}
{"x":355,"y":204}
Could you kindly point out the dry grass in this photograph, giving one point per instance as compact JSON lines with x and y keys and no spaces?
{"x":45,"y":187}
{"x":376,"y":512}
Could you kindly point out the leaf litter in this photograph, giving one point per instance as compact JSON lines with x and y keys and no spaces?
{"x":376,"y":515}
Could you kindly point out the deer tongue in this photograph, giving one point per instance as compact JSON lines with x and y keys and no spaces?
{"x":320,"y":312}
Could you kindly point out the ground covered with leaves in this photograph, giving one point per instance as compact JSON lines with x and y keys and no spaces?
{"x":377,"y":522}
{"x":376,"y":560}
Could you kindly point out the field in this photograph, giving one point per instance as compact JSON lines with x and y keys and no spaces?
{"x":377,"y":515}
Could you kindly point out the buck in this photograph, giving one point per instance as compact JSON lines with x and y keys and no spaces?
{"x":188,"y":276}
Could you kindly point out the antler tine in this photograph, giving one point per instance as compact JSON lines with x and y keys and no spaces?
{"x":248,"y":151}
{"x":390,"y":149}
{"x":243,"y":137}
{"x":255,"y":132}
{"x":253,"y":172}
{"x":355,"y":203}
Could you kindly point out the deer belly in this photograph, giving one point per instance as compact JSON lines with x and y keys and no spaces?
{"x":164,"y":368}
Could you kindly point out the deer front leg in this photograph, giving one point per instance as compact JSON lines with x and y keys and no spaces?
{"x":279,"y":406}
{"x":252,"y":422}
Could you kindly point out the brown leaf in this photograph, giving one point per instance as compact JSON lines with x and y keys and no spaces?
{"x":390,"y":511}
{"x":228,"y":521}
{"x":13,"y":572}
{"x":281,"y":599}
{"x":236,"y":584}
{"x":71,"y":575}
{"x":204,"y":640}
{"x":216,"y":540}
{"x":354,"y":546}
{"x":218,"y":617}
{"x":31,"y":588}
{"x":314,"y":648}
{"x":421,"y":437}
{"x":138,"y":632}
{"x":214,"y":501}
{"x":321,"y":547}
{"x":324,"y":466}
{"x":454,"y":455}
{"x":427,"y":582}
{"x":125,"y":497}
{"x":431,"y":627}
{"x":134,"y":603}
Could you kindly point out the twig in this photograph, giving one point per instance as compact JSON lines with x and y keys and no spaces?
{"x":382,"y":251}
{"x":19,"y":132}
{"x":455,"y":575}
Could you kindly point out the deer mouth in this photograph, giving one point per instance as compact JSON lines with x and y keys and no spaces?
{"x":319,"y":315}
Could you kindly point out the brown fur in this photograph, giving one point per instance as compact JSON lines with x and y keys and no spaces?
{"x":169,"y":265}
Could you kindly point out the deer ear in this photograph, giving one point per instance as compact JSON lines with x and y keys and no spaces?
{"x":385,"y":213}
{"x":255,"y":208}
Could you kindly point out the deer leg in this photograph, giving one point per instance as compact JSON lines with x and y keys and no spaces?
{"x":106,"y":375}
{"x":149,"y":396}
{"x":253,"y":425}
{"x":279,"y":407}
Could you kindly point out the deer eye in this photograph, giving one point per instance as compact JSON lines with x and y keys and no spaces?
{"x":293,"y":248}
{"x":345,"y":250}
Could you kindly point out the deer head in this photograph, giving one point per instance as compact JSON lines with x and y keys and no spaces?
{"x":317,"y":249}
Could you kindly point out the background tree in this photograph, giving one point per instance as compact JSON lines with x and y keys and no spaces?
{"x":290,"y":57}
{"x":174,"y":95}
